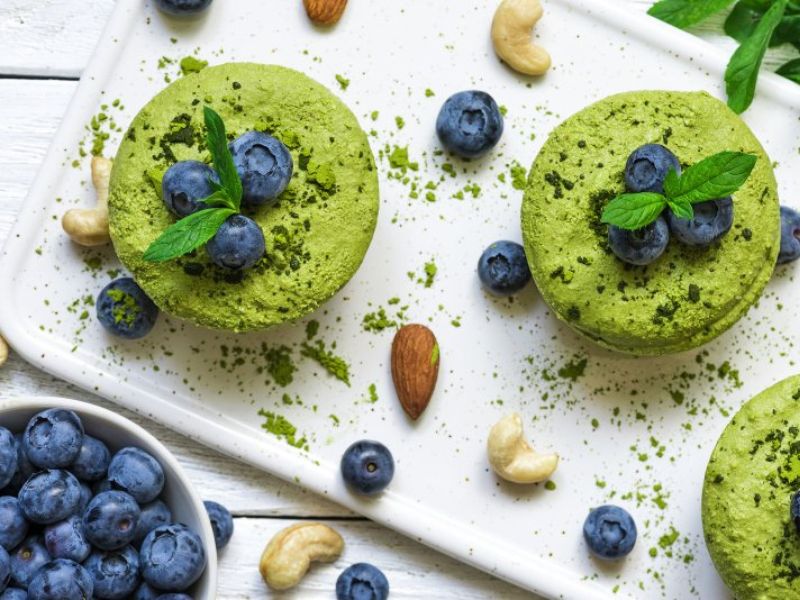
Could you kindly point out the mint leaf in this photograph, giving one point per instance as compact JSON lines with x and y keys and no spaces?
{"x":681,"y":208}
{"x":633,"y":211}
{"x":714,"y":177}
{"x":791,"y":70}
{"x":685,"y":13}
{"x":218,"y":199}
{"x":187,"y":234}
{"x":217,"y":141}
{"x":742,"y":72}
{"x":742,"y":21}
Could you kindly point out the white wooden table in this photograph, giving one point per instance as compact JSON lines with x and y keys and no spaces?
{"x":44,"y":46}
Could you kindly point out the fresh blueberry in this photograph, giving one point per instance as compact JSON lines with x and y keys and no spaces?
{"x":794,"y":510}
{"x":53,"y":438}
{"x":639,"y":246}
{"x":13,"y":526}
{"x":27,"y":559}
{"x":172,"y":557}
{"x":221,"y":522}
{"x":5,"y":569}
{"x":712,"y":220}
{"x":93,"y":459}
{"x":790,"y":235}
{"x":61,"y":579}
{"x":50,"y":496}
{"x":86,"y":496}
{"x":145,"y":592}
{"x":503,"y":268}
{"x":14,"y":593}
{"x":67,"y":539}
{"x":183,"y":8}
{"x":647,"y":168}
{"x":367,"y":467}
{"x":8,"y":457}
{"x":24,"y":469}
{"x":362,"y":581}
{"x":115,"y":574}
{"x":264,"y":165}
{"x":185,"y":184}
{"x":104,"y":485}
{"x":135,"y":471}
{"x":154,"y":514}
{"x":469,"y":124}
{"x":610,"y":532}
{"x":173,"y":596}
{"x":125,"y":310}
{"x":110,"y":520}
{"x":238,"y":244}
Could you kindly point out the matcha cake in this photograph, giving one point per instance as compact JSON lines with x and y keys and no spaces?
{"x":316,"y":234}
{"x":751,"y":478}
{"x":689,"y":295}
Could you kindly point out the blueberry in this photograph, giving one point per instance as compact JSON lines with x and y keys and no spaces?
{"x":610,"y":532}
{"x":790,"y":235}
{"x":8,"y":457}
{"x":110,"y":520}
{"x":145,"y":592}
{"x":5,"y":569}
{"x":53,"y":438}
{"x":173,"y":596}
{"x":794,"y":510}
{"x":24,"y":469}
{"x":238,"y":243}
{"x":712,"y":220}
{"x":13,"y":526}
{"x":183,"y":8}
{"x":135,"y":471}
{"x":125,"y":310}
{"x":172,"y":557}
{"x":647,"y":168}
{"x":50,"y":496}
{"x":61,"y":579}
{"x":469,"y":124}
{"x":86,"y":496}
{"x":503,"y":268}
{"x":362,"y":581}
{"x":115,"y":574}
{"x":185,"y":184}
{"x":104,"y":485}
{"x":154,"y":514}
{"x":93,"y":459}
{"x":27,"y":559}
{"x":367,"y":467}
{"x":264,"y":165}
{"x":67,"y":539}
{"x":640,"y":246}
{"x":221,"y":522}
{"x":14,"y":593}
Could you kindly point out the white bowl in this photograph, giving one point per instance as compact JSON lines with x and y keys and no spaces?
{"x":118,"y":432}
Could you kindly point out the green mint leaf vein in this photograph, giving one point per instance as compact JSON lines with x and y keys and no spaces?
{"x":742,"y":72}
{"x":217,"y":141}
{"x":187,"y":234}
{"x":681,"y":208}
{"x":685,"y":13}
{"x":712,"y":178}
{"x":633,"y":211}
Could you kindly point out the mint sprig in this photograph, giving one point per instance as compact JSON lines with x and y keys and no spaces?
{"x":193,"y":231}
{"x":712,"y":178}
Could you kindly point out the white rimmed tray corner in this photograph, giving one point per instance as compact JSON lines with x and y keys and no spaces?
{"x":635,"y":432}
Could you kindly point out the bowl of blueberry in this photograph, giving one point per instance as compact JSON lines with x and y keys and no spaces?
{"x":93,"y":506}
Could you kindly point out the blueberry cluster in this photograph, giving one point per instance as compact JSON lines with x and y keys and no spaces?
{"x":77,"y":521}
{"x":265,"y":167}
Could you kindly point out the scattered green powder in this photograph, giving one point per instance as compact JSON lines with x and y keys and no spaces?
{"x":374,"y":115}
{"x":312,"y":328}
{"x":377,"y":321}
{"x":430,"y":273}
{"x":550,"y":485}
{"x":573,"y":369}
{"x":519,"y":176}
{"x":191,"y":64}
{"x":429,"y":93}
{"x":398,"y":159}
{"x":373,"y":393}
{"x":125,"y":308}
{"x":333,"y":364}
{"x":280,"y":364}
{"x":280,"y":427}
{"x":344,"y":82}
{"x":400,"y":122}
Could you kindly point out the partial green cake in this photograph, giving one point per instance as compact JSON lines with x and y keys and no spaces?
{"x":751,"y":476}
{"x":316,"y":235}
{"x":689,"y":295}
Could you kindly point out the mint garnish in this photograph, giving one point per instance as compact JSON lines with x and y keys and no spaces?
{"x":712,"y":178}
{"x":193,"y":231}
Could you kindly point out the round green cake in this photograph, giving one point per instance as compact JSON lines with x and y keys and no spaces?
{"x":689,"y":295}
{"x":751,"y":476}
{"x":316,"y":235}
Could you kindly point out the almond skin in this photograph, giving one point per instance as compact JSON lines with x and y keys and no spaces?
{"x":325,"y":12}
{"x":415,"y":367}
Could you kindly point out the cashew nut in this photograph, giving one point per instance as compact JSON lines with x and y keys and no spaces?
{"x":512,"y":458}
{"x":512,"y":29}
{"x":3,"y":351}
{"x":291,"y":551}
{"x":89,"y":226}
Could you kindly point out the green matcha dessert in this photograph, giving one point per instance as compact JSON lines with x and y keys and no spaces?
{"x":315,"y":225}
{"x":751,"y":478}
{"x":640,"y":292}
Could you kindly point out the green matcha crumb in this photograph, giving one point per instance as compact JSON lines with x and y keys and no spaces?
{"x":435,"y":356}
{"x":398,"y":159}
{"x":573,"y":369}
{"x":400,"y":122}
{"x":335,"y":420}
{"x":377,"y":321}
{"x":430,"y":273}
{"x":429,"y":93}
{"x":125,"y":308}
{"x":280,"y":364}
{"x":280,"y":427}
{"x":333,"y":364}
{"x":668,"y":539}
{"x":191,"y":64}
{"x":374,"y":115}
{"x":344,"y":83}
{"x":503,"y":110}
{"x":373,"y":393}
{"x":456,"y":322}
{"x":312,"y":328}
{"x":519,"y":176}
{"x":550,"y":485}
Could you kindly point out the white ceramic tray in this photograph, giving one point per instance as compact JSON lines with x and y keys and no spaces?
{"x":635,"y":432}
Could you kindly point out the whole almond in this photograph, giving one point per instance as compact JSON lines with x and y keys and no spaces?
{"x":415,"y":367}
{"x":325,"y":12}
